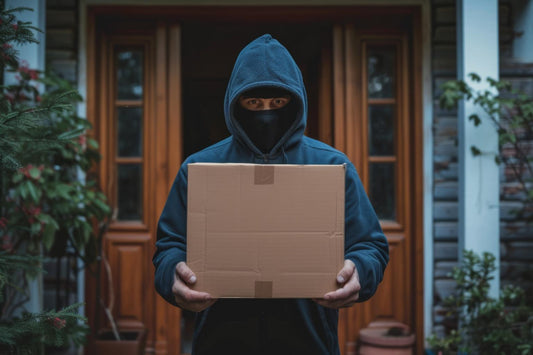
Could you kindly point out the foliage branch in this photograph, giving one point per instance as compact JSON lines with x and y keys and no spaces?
{"x":48,"y":199}
{"x":510,"y":111}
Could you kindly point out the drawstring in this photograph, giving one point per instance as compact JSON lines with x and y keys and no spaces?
{"x":285,"y":157}
{"x":265,"y":157}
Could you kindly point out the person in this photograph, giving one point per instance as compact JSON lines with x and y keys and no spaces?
{"x":265,"y":109}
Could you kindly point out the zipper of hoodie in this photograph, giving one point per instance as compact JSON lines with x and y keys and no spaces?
{"x":265,"y":158}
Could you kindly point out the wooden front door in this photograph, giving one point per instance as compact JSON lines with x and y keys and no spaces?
{"x":134,"y":100}
{"x":156,"y":82}
{"x":377,"y":125}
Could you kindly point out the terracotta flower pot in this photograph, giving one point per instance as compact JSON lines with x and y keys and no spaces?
{"x":386,"y":338}
{"x":131,"y":342}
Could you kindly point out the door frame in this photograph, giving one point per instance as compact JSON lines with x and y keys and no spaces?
{"x":417,"y":11}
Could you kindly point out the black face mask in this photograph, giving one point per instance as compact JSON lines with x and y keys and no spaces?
{"x":266,"y":127}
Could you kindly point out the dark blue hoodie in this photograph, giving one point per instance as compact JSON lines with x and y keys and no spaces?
{"x":270,"y":326}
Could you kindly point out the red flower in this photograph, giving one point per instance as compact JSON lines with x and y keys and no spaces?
{"x":82,"y":140}
{"x":38,"y":98}
{"x":58,"y":323}
{"x":6,"y":243}
{"x":24,"y":67}
{"x":31,"y":211}
{"x":7,"y":45}
{"x":26,"y":170}
{"x":35,"y":210}
{"x":15,"y":26}
{"x":3,"y":222}
{"x":10,"y":97}
{"x":33,"y":74}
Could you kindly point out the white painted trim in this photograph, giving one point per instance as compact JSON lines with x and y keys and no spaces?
{"x":479,"y":179}
{"x":427,"y":113}
{"x":427,"y":101}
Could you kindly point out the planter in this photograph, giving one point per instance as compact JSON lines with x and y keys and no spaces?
{"x":131,"y":342}
{"x":386,"y":338}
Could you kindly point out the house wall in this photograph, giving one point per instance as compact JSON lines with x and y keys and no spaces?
{"x":516,"y":241}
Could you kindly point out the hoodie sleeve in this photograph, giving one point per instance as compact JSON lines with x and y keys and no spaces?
{"x":365,"y":243}
{"x":171,"y":237}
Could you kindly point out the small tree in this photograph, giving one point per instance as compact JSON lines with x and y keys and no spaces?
{"x":45,"y":206}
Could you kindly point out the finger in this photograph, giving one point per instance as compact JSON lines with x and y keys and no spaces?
{"x":335,"y":304}
{"x":338,"y":294}
{"x":185,"y":273}
{"x":346,"y":271}
{"x":182,"y":292}
{"x":198,"y":307}
{"x":193,"y":296}
{"x":349,"y":289}
{"x":338,"y":303}
{"x":322,"y":302}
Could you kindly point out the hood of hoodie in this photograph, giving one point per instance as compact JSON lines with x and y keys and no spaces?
{"x":264,"y":62}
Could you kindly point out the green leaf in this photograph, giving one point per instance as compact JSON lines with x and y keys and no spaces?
{"x":474,"y":77}
{"x":63,"y":190}
{"x":92,"y":143}
{"x":35,"y":228}
{"x":34,"y":193}
{"x":475,"y":150}
{"x":102,"y":206}
{"x":48,"y":235}
{"x":17,"y":178}
{"x":35,"y":173}
{"x":71,"y":134}
{"x":474,"y":117}
{"x":23,"y":191}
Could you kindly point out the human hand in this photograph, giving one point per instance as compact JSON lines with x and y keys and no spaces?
{"x":184,"y":296}
{"x":345,"y":296}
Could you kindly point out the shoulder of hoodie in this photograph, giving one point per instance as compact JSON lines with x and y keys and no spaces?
{"x":210,"y":154}
{"x":314,"y":144}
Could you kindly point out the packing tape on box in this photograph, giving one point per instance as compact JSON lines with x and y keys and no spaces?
{"x":263,"y":175}
{"x":263,"y":289}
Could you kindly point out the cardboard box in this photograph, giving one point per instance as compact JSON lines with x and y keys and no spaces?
{"x":265,"y":231}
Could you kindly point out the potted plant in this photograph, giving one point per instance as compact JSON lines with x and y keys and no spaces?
{"x":485,"y":325}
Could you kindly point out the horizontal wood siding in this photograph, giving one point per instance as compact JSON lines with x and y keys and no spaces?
{"x":516,"y":237}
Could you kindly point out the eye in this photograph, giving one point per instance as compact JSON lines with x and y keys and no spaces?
{"x":279,"y":102}
{"x":251,"y":103}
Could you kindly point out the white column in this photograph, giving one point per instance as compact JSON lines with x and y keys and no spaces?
{"x":477,"y":51}
{"x":34,"y":54}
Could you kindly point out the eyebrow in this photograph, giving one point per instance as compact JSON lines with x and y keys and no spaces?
{"x":263,"y":97}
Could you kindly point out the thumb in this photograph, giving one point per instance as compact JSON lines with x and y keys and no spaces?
{"x":185,"y":273}
{"x":346,"y":271}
